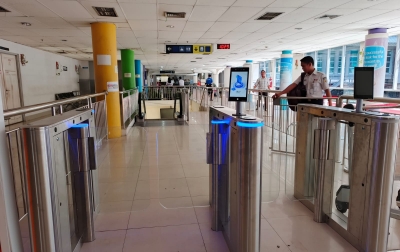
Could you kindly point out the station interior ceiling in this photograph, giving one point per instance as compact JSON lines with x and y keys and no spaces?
{"x":63,"y":27}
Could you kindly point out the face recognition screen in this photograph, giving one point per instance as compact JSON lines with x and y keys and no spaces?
{"x":363,"y":82}
{"x":238,"y":84}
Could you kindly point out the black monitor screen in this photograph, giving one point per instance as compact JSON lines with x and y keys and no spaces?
{"x":363,"y":82}
{"x":238,"y":84}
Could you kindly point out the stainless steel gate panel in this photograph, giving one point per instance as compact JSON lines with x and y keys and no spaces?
{"x":370,"y":180}
{"x":49,"y":181}
{"x":234,"y":154}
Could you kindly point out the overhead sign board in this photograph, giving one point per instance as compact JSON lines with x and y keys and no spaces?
{"x":223,"y":46}
{"x":202,"y":49}
{"x":178,"y":48}
{"x":196,"y":49}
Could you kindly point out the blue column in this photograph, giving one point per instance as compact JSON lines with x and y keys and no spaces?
{"x":286,"y":73}
{"x":139,"y":75}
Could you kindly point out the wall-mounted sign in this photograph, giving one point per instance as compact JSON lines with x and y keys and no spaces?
{"x":223,"y":46}
{"x":4,"y":48}
{"x":167,"y":71}
{"x":65,"y":68}
{"x":127,"y":75}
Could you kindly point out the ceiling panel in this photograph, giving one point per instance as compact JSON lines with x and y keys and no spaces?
{"x":191,"y":35}
{"x":145,"y":34}
{"x":239,"y":14}
{"x":169,"y":34}
{"x":143,"y":25}
{"x":138,"y":11}
{"x":236,"y":35}
{"x":207,"y":41}
{"x":225,"y":26}
{"x":358,"y":16}
{"x":289,"y":3}
{"x":326,"y":4}
{"x":55,"y":22}
{"x":303,"y":14}
{"x":198,"y":26}
{"x":178,"y":25}
{"x":125,"y":33}
{"x":70,"y":9}
{"x":214,"y":35}
{"x":360,"y":4}
{"x":33,"y":9}
{"x":215,"y":3}
{"x":185,"y":2}
{"x":205,"y":13}
{"x":249,"y":27}
{"x":253,"y":3}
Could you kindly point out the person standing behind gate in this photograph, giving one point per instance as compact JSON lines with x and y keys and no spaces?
{"x":316,"y":83}
{"x":209,"y":82}
{"x":181,"y":82}
{"x":262,"y":83}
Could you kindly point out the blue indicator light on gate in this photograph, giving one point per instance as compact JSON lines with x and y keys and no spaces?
{"x":82,"y":125}
{"x":219,"y":122}
{"x":249,"y":125}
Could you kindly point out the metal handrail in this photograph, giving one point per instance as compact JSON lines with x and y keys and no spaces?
{"x":377,"y":99}
{"x":128,"y":91}
{"x":41,"y":106}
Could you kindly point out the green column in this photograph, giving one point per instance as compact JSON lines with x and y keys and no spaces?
{"x":128,"y":69}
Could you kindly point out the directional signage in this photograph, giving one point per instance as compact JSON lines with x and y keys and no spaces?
{"x":223,"y":46}
{"x":202,"y":49}
{"x":197,"y":49}
{"x":179,"y":48}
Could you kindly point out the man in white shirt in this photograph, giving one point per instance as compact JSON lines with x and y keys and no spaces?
{"x":181,"y":82}
{"x":262,"y":84}
{"x":316,"y":84}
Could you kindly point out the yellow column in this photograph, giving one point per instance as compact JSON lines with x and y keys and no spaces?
{"x":104,"y":41}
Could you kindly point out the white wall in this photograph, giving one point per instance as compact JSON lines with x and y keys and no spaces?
{"x":39,"y":79}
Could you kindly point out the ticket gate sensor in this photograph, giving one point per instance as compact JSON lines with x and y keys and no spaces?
{"x":365,"y":191}
{"x":234,"y":153}
{"x":61,"y":180}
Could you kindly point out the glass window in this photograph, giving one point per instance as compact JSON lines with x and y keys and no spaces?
{"x":278,"y":73}
{"x":335,"y":66}
{"x":352,"y":53}
{"x":390,"y":62}
{"x":322,"y":57}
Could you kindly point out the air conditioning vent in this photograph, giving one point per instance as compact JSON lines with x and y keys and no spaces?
{"x":174,"y":14}
{"x":269,"y":15}
{"x":3,"y":10}
{"x":192,"y":61}
{"x":62,"y":52}
{"x":105,"y":11}
{"x":198,"y":57}
{"x":328,"y":17}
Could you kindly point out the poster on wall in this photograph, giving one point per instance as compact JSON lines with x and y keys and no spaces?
{"x":112,"y":86}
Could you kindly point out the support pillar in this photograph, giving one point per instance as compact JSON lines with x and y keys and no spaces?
{"x":376,"y":44}
{"x":138,"y":75}
{"x":104,"y":41}
{"x":128,"y":69}
{"x":227,"y":76}
{"x":286,"y":73}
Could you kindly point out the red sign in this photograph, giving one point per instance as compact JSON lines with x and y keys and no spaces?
{"x":223,"y":46}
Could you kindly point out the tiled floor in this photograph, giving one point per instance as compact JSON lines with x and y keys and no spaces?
{"x":154,"y":187}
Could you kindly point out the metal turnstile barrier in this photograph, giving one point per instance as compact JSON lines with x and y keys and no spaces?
{"x":234,"y":149}
{"x":355,"y":204}
{"x":61,"y":180}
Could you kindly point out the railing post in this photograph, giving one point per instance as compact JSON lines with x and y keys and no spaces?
{"x":53,"y":111}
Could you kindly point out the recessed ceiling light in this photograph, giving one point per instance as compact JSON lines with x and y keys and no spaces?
{"x":170,"y":26}
{"x":26,"y":23}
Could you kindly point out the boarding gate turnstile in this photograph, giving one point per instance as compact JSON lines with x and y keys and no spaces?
{"x":61,"y":180}
{"x":234,"y":148}
{"x":370,"y":180}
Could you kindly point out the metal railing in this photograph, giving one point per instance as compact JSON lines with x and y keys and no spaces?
{"x":161,"y":93}
{"x":129,"y":106}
